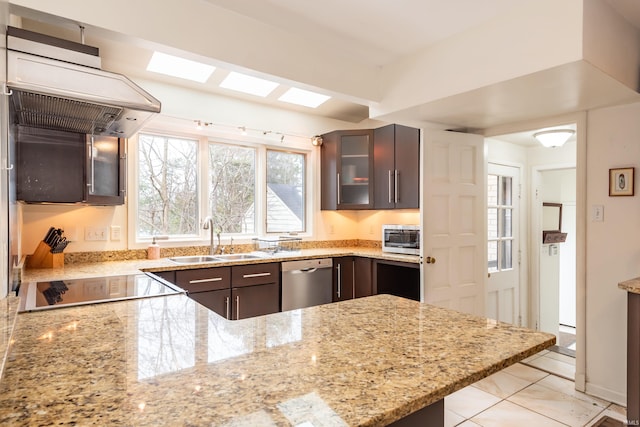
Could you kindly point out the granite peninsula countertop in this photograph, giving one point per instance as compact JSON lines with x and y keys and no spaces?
{"x":113,"y":268}
{"x":169,"y":361}
{"x":632,"y":285}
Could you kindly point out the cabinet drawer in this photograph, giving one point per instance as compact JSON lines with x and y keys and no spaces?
{"x":204,"y":279}
{"x":255,"y":274}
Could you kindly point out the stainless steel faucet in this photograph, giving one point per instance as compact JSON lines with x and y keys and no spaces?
{"x":208,"y":225}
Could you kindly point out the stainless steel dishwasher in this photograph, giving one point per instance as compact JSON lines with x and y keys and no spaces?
{"x":306,"y":283}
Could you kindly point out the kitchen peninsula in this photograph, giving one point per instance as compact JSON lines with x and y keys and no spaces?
{"x":169,"y":361}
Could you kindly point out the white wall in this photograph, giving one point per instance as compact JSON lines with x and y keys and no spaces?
{"x":613,"y":247}
{"x":180,"y":108}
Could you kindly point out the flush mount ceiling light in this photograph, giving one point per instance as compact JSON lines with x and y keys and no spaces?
{"x":179,"y":67}
{"x":248,"y":84}
{"x":303,"y":97}
{"x":553,"y":137}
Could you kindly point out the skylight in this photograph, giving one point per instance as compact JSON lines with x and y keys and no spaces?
{"x":179,"y":67}
{"x":248,"y":84}
{"x":303,"y":97}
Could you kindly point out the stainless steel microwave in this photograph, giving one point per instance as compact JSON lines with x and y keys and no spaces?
{"x":401,"y":239}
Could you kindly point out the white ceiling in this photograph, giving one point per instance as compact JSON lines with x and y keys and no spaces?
{"x":375,"y":32}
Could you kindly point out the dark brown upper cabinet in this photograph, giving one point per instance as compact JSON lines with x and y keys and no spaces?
{"x":347,"y":170}
{"x":396,"y":167}
{"x":67,"y":167}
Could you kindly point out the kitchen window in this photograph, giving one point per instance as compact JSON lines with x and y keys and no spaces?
{"x":167,"y":186}
{"x":248,"y":189}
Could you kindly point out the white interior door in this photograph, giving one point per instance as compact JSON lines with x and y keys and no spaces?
{"x":503,"y":244}
{"x":453,"y":219}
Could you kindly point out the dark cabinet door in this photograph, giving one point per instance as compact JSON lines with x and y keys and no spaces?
{"x":407,"y":179}
{"x":343,"y":278}
{"x":396,"y":167}
{"x":362,"y":275}
{"x":258,"y":300}
{"x":218,"y":301}
{"x":50,"y":166}
{"x":106,"y":166}
{"x":347,"y":170}
{"x":204,"y":279}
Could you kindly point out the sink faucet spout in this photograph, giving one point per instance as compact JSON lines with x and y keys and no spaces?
{"x":208,"y":225}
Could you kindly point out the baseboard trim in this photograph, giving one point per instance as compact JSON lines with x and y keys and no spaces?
{"x":606,"y":394}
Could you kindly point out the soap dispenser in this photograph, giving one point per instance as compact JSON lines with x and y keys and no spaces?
{"x":153,"y":251}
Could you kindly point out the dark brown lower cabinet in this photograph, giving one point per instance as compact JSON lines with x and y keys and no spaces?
{"x":351,"y":278}
{"x":251,"y":301}
{"x":633,"y":355}
{"x":236,"y":292}
{"x":397,"y":278}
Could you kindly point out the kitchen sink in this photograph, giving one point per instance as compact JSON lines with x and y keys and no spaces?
{"x":193,"y":259}
{"x":236,"y":257}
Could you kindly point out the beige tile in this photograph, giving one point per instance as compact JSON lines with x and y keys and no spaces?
{"x":508,"y":414}
{"x":452,"y":419}
{"x":556,"y":405}
{"x":618,"y":409}
{"x":608,"y":413}
{"x":469,"y":401}
{"x":502,"y":384}
{"x":554,"y":366}
{"x":561,"y":357}
{"x":569,"y":388}
{"x":469,"y":423}
{"x":524,"y":372}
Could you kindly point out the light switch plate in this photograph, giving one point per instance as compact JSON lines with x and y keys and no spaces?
{"x":95,"y":233}
{"x":597,"y":213}
{"x":115,"y":232}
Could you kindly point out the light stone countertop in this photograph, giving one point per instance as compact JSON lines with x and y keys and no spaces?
{"x":113,"y":268}
{"x":168,"y":361}
{"x":8,"y":315}
{"x":632,"y":285}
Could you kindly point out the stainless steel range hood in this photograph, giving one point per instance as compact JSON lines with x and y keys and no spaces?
{"x":58,"y":84}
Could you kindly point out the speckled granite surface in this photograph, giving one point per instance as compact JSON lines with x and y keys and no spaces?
{"x":113,"y":268}
{"x":632,"y":285}
{"x":168,"y":361}
{"x":8,"y":315}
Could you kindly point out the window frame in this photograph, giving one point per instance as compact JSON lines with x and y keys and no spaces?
{"x":261,"y":147}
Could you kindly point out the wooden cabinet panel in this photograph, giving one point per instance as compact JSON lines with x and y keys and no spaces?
{"x":218,"y":301}
{"x":258,"y":300}
{"x":255,"y":274}
{"x":343,"y":278}
{"x":396,"y":167}
{"x":204,"y":279}
{"x":362,"y":274}
{"x":169,"y":276}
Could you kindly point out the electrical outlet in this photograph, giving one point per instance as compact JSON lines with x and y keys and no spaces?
{"x":115,"y":232}
{"x":331,"y":229}
{"x":95,"y":233}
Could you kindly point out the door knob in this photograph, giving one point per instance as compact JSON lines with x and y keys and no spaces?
{"x":430,"y":260}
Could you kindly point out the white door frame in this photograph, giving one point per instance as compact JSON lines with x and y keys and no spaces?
{"x":580,"y":119}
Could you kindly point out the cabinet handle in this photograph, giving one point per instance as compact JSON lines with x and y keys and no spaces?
{"x":353,"y":278}
{"x":338,"y":186}
{"x":339,"y":280}
{"x":227,"y":306}
{"x":249,"y":276}
{"x":397,"y":183}
{"x":237,"y":307}
{"x":93,"y":160}
{"x":123,"y":161}
{"x":390,"y":201}
{"x":213,"y":279}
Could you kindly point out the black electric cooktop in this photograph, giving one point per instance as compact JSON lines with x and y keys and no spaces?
{"x":65,"y":293}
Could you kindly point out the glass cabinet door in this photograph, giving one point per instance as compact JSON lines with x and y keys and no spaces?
{"x":354,"y":171}
{"x":105,"y":170}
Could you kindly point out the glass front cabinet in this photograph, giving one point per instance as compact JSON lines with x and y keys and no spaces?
{"x":347,"y":170}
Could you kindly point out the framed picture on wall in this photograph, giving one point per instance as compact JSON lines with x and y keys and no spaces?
{"x":621,"y":181}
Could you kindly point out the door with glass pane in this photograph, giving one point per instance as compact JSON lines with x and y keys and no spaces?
{"x":503,"y":283}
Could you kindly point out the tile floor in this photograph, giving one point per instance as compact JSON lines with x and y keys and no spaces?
{"x":528,"y":395}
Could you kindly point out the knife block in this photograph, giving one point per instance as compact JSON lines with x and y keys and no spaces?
{"x":43,"y":258}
